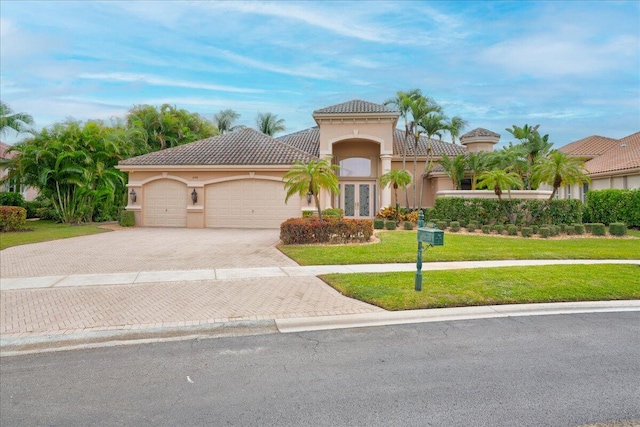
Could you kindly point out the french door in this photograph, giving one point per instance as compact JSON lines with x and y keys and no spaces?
{"x":358,"y":199}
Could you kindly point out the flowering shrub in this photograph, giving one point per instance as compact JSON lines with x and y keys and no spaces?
{"x":387,"y":213}
{"x":12,"y":218}
{"x":297,"y":231}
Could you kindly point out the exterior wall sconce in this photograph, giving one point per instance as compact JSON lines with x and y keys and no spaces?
{"x":194,"y":196}
{"x":309,"y":194}
{"x":133,"y":195}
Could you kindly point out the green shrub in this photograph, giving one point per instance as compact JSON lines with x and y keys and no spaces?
{"x":486,"y":229}
{"x":512,"y":230}
{"x":544,"y":232}
{"x":608,"y":206}
{"x":441,"y":225}
{"x":408,"y":225}
{"x":554,"y":230}
{"x":390,"y":224}
{"x":579,"y":229}
{"x":498,"y":228}
{"x":309,"y":213}
{"x":597,"y":229}
{"x":534,"y":229}
{"x":472,"y":226}
{"x":378,"y":223}
{"x":32,"y":209}
{"x":448,"y":221}
{"x":570,"y":230}
{"x":12,"y":218}
{"x":526,"y":231}
{"x":312,"y":230}
{"x":454,"y":226}
{"x":562,"y":228}
{"x":463,"y":222}
{"x":588,"y":226}
{"x":127,"y":219}
{"x":11,"y":199}
{"x":617,"y":229}
{"x":333,"y":213}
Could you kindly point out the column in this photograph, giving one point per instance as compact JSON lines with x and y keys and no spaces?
{"x":385,"y":193}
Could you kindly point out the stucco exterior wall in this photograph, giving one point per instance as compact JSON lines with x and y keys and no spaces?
{"x":333,"y":131}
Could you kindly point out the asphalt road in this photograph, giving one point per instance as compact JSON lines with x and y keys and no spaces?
{"x":564,"y":370}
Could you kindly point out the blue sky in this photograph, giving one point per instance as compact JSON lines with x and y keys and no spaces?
{"x":573,"y":67}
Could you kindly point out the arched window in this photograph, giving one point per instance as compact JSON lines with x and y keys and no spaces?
{"x":355,"y":166}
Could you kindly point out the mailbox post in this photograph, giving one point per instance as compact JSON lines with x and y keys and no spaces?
{"x":430,"y":236}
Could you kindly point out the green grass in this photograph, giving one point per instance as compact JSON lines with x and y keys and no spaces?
{"x":488,"y":286}
{"x":401,"y":246}
{"x":43,"y":231}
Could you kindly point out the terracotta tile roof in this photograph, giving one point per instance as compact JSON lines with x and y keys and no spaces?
{"x":307,"y":140}
{"x":356,"y":106}
{"x":479,"y":132}
{"x":438,"y":147}
{"x":590,"y":146}
{"x":243,"y":147}
{"x":623,"y":155}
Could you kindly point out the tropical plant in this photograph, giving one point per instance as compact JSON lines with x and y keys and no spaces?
{"x":534,"y":147}
{"x":455,"y":127}
{"x":454,"y":168}
{"x":476,"y":164}
{"x":396,"y":178}
{"x":559,"y":170}
{"x":225,"y":120}
{"x":12,"y":121}
{"x":499,"y":180}
{"x":307,"y":179}
{"x":433,"y":124}
{"x":269,"y":123}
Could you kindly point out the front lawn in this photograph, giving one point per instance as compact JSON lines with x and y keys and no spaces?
{"x":488,"y":286}
{"x":43,"y":231}
{"x":401,"y":246}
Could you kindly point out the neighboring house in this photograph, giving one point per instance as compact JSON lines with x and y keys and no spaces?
{"x":13,"y":186}
{"x":236,"y":179}
{"x":610,"y":163}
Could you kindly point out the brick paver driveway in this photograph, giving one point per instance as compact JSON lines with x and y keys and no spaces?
{"x":145,"y":249}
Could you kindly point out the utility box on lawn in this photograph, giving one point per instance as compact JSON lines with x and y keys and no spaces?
{"x":431,"y":236}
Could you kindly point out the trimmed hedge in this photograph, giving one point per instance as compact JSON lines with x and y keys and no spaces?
{"x":390,"y":224}
{"x":608,"y":206}
{"x":296,"y":231}
{"x":512,"y":230}
{"x":544,"y":232}
{"x":570,"y":230}
{"x":617,"y":229}
{"x":526,"y":231}
{"x":579,"y":229}
{"x":8,"y":198}
{"x":498,"y":228}
{"x":408,"y":225}
{"x":454,"y":226}
{"x":441,"y":225}
{"x":489,"y":211}
{"x":597,"y":229}
{"x":486,"y":229}
{"x":12,"y":218}
{"x":472,"y":226}
{"x":378,"y":224}
{"x":127,"y":219}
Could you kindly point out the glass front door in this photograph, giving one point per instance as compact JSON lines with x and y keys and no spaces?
{"x":356,"y":198}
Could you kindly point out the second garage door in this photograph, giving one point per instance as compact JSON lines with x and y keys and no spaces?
{"x":249,"y":203}
{"x":165,"y":204}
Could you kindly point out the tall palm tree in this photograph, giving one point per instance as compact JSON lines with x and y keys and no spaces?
{"x":454,"y":168}
{"x":456,"y":126}
{"x":10,"y":120}
{"x":309,"y":178}
{"x":534,"y":146}
{"x":402,"y":102}
{"x":225,"y":120}
{"x":433,"y":124}
{"x":269,"y":123}
{"x":397,"y":178}
{"x":499,"y":180}
{"x":476,"y":164}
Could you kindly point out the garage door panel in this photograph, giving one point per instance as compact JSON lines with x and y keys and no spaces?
{"x":249,"y":204}
{"x":165,"y":204}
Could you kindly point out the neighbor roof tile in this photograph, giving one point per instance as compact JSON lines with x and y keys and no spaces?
{"x":356,"y":106}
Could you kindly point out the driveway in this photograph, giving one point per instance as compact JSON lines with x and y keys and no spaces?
{"x":145,"y":249}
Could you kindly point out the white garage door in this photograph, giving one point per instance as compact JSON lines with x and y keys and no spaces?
{"x":165,"y":204}
{"x":249,"y":203}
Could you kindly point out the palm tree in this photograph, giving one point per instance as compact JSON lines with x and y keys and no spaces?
{"x":269,"y":123}
{"x":225,"y":119}
{"x":534,"y":147}
{"x":454,"y":168}
{"x":402,"y":102}
{"x":476,"y":164}
{"x":499,"y":180}
{"x":456,"y":126}
{"x":558,"y":170}
{"x":396,"y":178}
{"x":17,"y":122}
{"x":307,"y":179}
{"x":432,"y":124}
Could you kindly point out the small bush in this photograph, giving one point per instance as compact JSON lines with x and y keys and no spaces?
{"x":486,"y":229}
{"x":553,"y":230}
{"x":12,"y":218}
{"x":127,"y":219}
{"x":617,"y":229}
{"x":562,"y":228}
{"x":309,"y":213}
{"x":387,"y":213}
{"x":579,"y":229}
{"x":11,"y":199}
{"x":570,"y":230}
{"x":390,"y":224}
{"x":534,"y":229}
{"x":526,"y":231}
{"x":454,"y":226}
{"x":378,"y":223}
{"x":472,"y":226}
{"x":498,"y":228}
{"x":441,"y":225}
{"x":408,"y":225}
{"x":544,"y":232}
{"x":448,"y":221}
{"x":597,"y":229}
{"x":512,"y":230}
{"x":588,"y":226}
{"x":312,"y":230}
{"x":412,"y":216}
{"x":333,"y":213}
{"x":32,"y":209}
{"x":463,"y":222}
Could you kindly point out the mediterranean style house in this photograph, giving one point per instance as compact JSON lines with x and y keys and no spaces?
{"x":610,"y":163}
{"x":236,"y":179}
